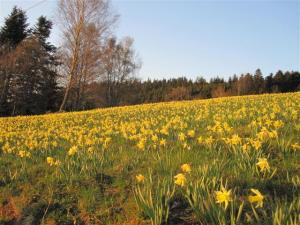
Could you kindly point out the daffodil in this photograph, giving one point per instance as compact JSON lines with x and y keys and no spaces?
{"x":181,"y":137}
{"x":223,"y":196}
{"x":257,"y":198}
{"x":154,"y":138}
{"x":72,"y":151}
{"x":180,"y":179}
{"x":141,"y":144}
{"x":256,"y":144}
{"x":186,"y":168}
{"x":140,"y":178}
{"x":200,"y":140}
{"x":263,"y":164}
{"x":191,"y":133}
{"x":162,"y":142}
{"x":50,"y":161}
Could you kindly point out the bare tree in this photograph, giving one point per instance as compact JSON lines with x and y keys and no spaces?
{"x":85,"y":25}
{"x":119,"y":63}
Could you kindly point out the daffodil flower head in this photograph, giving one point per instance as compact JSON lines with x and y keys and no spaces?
{"x":140,"y":178}
{"x":72,"y":151}
{"x":180,"y":179}
{"x":263,"y":164}
{"x":223,"y":196}
{"x":257,"y":198}
{"x":186,"y":168}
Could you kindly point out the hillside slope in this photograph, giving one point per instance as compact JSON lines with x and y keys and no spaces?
{"x":219,"y":161}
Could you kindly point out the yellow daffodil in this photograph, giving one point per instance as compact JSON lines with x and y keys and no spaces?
{"x":141,"y":144}
{"x":154,"y":138}
{"x":223,"y":196}
{"x":186,"y":168}
{"x":140,"y":178}
{"x":257,"y":198}
{"x":263,"y":164}
{"x":162,"y":142}
{"x":180,"y":179}
{"x":72,"y":151}
{"x":191,"y":133}
{"x":50,"y":161}
{"x":200,"y":140}
{"x":181,"y":137}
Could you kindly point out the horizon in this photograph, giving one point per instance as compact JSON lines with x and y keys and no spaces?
{"x":222,"y":38}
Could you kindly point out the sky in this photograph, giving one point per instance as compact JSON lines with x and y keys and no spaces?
{"x":199,"y":38}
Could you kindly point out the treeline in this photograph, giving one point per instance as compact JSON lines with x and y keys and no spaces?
{"x":93,"y":68}
{"x":137,"y":91}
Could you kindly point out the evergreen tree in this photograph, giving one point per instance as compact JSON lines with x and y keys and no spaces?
{"x":15,"y":28}
{"x":48,"y":77}
{"x":258,"y":82}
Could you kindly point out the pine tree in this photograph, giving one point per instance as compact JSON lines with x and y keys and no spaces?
{"x":258,"y":81}
{"x":15,"y":29}
{"x":48,"y":78}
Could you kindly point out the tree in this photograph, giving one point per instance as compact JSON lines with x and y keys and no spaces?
{"x":177,"y":94}
{"x":31,"y":68}
{"x":245,"y":84}
{"x":119,"y":62}
{"x":77,"y":18}
{"x":14,"y":31}
{"x":48,"y":66}
{"x":269,"y":83}
{"x":258,"y":82}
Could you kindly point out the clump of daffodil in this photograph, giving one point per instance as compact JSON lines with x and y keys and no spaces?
{"x":140,"y":178}
{"x":257,"y":198}
{"x":263,"y":164}
{"x":180,"y":179}
{"x":73,"y":150}
{"x":186,"y":168}
{"x":223,"y":196}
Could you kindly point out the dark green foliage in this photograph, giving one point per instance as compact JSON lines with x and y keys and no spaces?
{"x":28,"y":67}
{"x":15,"y":28}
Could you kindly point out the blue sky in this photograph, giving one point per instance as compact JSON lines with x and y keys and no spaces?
{"x":207,"y":38}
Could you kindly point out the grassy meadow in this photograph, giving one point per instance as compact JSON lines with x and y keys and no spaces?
{"x":219,"y":161}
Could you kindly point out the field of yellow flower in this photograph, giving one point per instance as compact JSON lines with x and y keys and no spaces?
{"x":219,"y":161}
